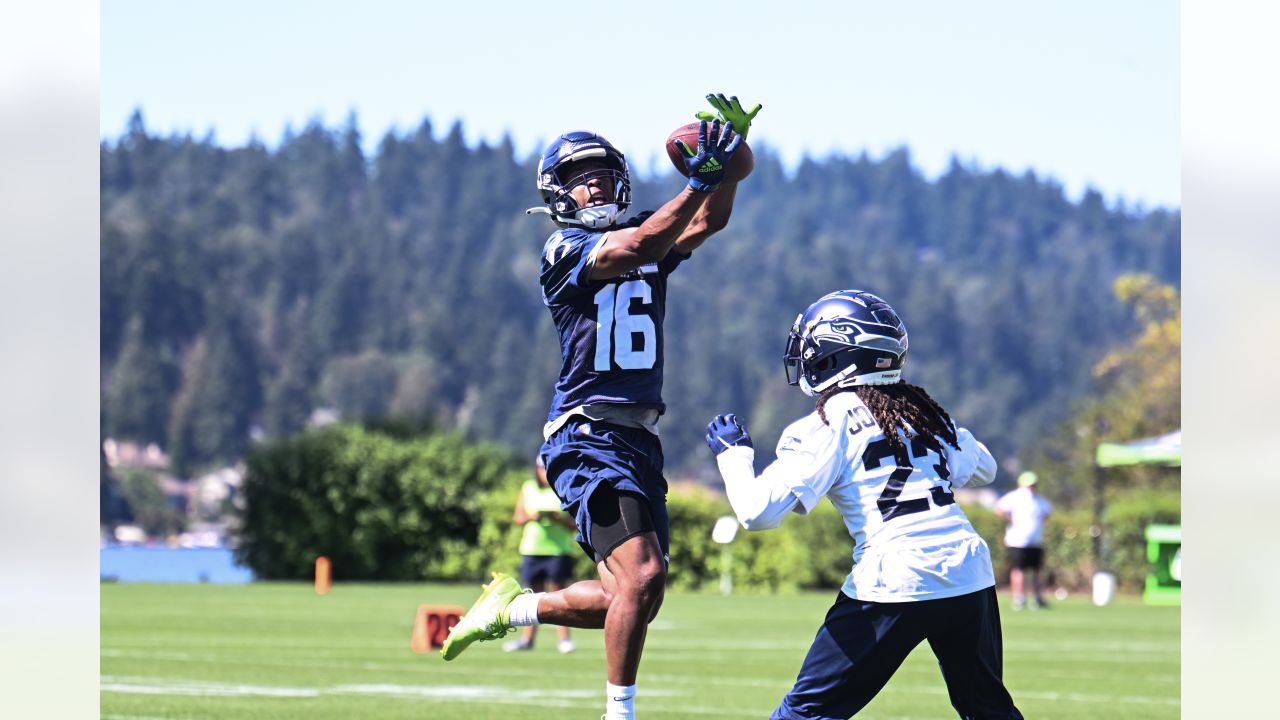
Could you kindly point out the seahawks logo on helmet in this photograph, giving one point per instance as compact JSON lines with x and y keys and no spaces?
{"x":846,"y":338}
{"x":552,"y":181}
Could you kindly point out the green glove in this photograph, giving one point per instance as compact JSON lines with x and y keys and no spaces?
{"x":730,"y":111}
{"x":706,"y":166}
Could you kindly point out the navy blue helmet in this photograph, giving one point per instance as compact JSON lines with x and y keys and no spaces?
{"x":552,"y":180}
{"x":846,"y":338}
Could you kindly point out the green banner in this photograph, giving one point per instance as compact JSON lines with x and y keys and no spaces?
{"x":1163,"y":450}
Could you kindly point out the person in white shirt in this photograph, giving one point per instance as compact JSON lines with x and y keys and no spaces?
{"x":1026,"y":512}
{"x":887,"y":456}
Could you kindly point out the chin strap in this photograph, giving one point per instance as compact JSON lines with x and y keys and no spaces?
{"x":595,"y":218}
{"x":598,"y":217}
{"x":884,"y":377}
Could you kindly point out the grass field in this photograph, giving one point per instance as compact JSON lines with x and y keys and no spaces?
{"x":269,"y":650}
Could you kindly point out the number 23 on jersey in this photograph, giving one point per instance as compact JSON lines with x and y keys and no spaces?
{"x":880,"y":450}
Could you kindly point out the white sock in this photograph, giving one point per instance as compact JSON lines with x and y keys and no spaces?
{"x":620,"y":702}
{"x":523,"y":610}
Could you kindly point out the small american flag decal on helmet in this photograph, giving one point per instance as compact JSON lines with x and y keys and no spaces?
{"x":883,"y":362}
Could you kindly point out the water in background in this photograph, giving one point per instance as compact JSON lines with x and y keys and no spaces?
{"x":165,"y":564}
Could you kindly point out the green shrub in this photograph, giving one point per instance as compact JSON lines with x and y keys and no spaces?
{"x":1125,"y":523}
{"x":1068,"y":539}
{"x":389,"y":505}
{"x":498,"y":541}
{"x":825,"y":544}
{"x":695,"y":559}
{"x":379,"y":507}
{"x":1068,"y":543}
{"x":772,"y":560}
{"x":991,"y":527}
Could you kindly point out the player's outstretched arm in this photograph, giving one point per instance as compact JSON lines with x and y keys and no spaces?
{"x":758,"y":502}
{"x":714,"y":215}
{"x":629,"y":248}
{"x":711,"y":218}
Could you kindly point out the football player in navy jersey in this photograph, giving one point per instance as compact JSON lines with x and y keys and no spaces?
{"x":604,"y":280}
{"x":887,"y":457}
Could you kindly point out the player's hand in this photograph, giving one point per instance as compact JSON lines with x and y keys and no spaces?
{"x":730,"y":111}
{"x":724,"y":432}
{"x":706,"y":166}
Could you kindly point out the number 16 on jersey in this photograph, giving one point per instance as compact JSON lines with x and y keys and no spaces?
{"x":617,"y":330}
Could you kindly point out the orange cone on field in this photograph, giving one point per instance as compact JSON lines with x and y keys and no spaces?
{"x":323,"y":578}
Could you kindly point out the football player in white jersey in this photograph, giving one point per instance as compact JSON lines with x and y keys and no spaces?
{"x":887,"y":456}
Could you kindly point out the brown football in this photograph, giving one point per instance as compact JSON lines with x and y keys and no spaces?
{"x":740,"y":164}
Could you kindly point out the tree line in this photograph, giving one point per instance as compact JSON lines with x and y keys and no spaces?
{"x":245,"y":287}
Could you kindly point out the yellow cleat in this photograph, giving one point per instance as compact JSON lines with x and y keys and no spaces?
{"x":487,"y":619}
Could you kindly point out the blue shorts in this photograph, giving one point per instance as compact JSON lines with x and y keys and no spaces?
{"x":861,"y":644}
{"x":584,"y":455}
{"x":546,"y":568}
{"x":1026,"y":558}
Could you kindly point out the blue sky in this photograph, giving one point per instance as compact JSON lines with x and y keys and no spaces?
{"x":1085,"y":92}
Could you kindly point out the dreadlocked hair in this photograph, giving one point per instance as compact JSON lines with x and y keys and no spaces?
{"x":902,"y":406}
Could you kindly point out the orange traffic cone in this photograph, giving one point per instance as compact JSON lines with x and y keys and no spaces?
{"x":323,"y":578}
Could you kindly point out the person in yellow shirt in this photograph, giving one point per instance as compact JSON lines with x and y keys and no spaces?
{"x":547,"y":547}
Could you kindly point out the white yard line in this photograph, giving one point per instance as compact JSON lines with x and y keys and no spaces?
{"x":569,"y":698}
{"x":117,"y":716}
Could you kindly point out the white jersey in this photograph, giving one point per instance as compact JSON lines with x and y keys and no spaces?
{"x":1027,"y":512}
{"x":911,"y":539}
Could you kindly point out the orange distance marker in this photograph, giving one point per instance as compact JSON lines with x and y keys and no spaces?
{"x":432,"y":626}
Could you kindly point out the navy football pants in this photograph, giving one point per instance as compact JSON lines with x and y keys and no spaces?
{"x":584,"y":455}
{"x":861,"y":644}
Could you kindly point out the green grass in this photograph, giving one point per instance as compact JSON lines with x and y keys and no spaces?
{"x":271,"y":650}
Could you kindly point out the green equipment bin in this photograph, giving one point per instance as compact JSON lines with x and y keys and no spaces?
{"x":1164,"y":576}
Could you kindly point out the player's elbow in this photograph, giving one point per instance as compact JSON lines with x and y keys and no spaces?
{"x":980,"y":480}
{"x":755,"y":523}
{"x":653,"y":255}
{"x":710,"y":224}
{"x":651,"y":249}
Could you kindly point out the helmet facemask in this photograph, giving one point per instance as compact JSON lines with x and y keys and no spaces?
{"x":791,"y":355}
{"x":556,"y":181}
{"x":563,"y":205}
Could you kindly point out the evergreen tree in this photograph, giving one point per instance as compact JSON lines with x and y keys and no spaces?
{"x":137,"y":390}
{"x":218,"y":399}
{"x":418,"y":268}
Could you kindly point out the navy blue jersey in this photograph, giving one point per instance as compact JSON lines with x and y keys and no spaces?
{"x":610,"y":330}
